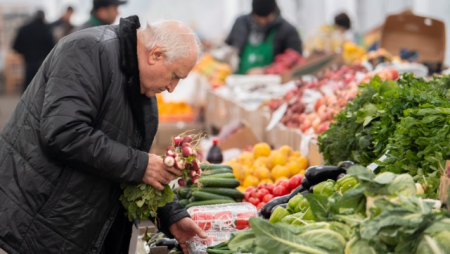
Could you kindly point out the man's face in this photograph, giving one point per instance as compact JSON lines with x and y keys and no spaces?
{"x":110,"y":14}
{"x":157,"y":76}
{"x":264,"y":20}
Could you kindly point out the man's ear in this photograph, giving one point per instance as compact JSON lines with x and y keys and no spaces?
{"x":155,"y":55}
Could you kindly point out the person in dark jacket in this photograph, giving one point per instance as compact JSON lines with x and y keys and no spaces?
{"x":85,"y":125}
{"x":33,"y":41}
{"x":62,"y":26}
{"x":261,"y":35}
{"x":104,"y":12}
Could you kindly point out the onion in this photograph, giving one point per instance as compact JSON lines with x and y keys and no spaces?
{"x":169,"y":161}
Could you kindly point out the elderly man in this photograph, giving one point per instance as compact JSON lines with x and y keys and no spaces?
{"x":84,"y":126}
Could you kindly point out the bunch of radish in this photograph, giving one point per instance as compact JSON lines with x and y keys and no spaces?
{"x":183,"y":155}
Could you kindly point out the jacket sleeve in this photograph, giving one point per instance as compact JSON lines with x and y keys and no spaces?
{"x":168,"y":214}
{"x":73,"y":97}
{"x":293,"y":40}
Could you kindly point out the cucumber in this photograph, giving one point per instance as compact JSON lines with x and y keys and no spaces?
{"x":218,"y":251}
{"x":217,"y":171}
{"x":201,"y":195}
{"x":214,"y":166}
{"x":232,"y":193}
{"x":210,"y":202}
{"x":183,"y":192}
{"x":219,"y":182}
{"x":223,"y":175}
{"x":183,"y":202}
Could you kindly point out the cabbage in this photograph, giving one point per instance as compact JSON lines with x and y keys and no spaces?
{"x":403,"y":185}
{"x":435,"y":239}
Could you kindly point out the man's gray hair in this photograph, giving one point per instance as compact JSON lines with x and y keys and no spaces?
{"x":174,"y":37}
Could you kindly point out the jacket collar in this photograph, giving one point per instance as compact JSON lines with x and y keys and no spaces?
{"x":129,"y":64}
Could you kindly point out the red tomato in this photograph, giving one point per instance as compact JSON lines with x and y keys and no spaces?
{"x":280,"y":190}
{"x":284,"y":183}
{"x":260,"y":205}
{"x":242,"y":220}
{"x":203,"y":220}
{"x":247,"y":195}
{"x":249,"y":189}
{"x":295,"y":181}
{"x":224,"y":216}
{"x":270,"y":187}
{"x":262,"y":193}
{"x":267,"y":198}
{"x":254,"y":193}
{"x":254,"y":201}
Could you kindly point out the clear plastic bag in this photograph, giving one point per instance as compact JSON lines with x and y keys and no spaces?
{"x":198,"y":245}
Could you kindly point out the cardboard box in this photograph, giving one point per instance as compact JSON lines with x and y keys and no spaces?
{"x":314,"y":156}
{"x":444,"y":185}
{"x":241,"y":138}
{"x":424,"y":35}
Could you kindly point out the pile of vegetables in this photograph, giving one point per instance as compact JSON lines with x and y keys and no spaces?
{"x":142,"y":201}
{"x":405,"y":120}
{"x":381,"y":214}
{"x":217,"y":185}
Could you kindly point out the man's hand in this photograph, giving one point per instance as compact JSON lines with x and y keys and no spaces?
{"x":157,"y":173}
{"x":184,"y":230}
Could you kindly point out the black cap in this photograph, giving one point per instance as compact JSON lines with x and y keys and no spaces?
{"x":263,"y":7}
{"x":105,"y":3}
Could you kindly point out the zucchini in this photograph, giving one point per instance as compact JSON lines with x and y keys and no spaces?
{"x":183,"y":202}
{"x":201,"y":195}
{"x":183,"y":192}
{"x":223,"y":175}
{"x":219,"y":182}
{"x":214,"y":166}
{"x":216,"y":171}
{"x":210,"y":202}
{"x":232,"y":193}
{"x":218,"y":251}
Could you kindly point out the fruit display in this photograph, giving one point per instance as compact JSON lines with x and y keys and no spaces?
{"x":313,"y":104}
{"x":264,"y":165}
{"x":284,"y":62}
{"x":216,"y":72}
{"x":174,"y":111}
{"x":216,"y":185}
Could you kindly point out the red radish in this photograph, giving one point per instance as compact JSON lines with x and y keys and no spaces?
{"x":180,"y":164}
{"x":181,"y":182}
{"x":192,"y":173}
{"x":187,"y":151}
{"x":195,"y":164}
{"x":169,"y":161}
{"x":177,"y":140}
{"x":185,"y":145}
{"x":195,"y":179}
{"x":187,"y":139}
{"x":199,"y":171}
{"x":169,"y":148}
{"x":170,"y":153}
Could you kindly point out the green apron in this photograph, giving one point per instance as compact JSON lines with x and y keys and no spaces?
{"x":257,"y":55}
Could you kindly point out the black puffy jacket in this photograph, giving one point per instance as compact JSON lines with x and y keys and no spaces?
{"x":71,"y":141}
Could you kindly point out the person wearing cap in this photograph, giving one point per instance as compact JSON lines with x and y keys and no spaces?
{"x":104,"y":12}
{"x":261,"y":35}
{"x":84,"y":126}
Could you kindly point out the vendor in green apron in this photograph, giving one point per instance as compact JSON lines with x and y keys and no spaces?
{"x":261,"y":35}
